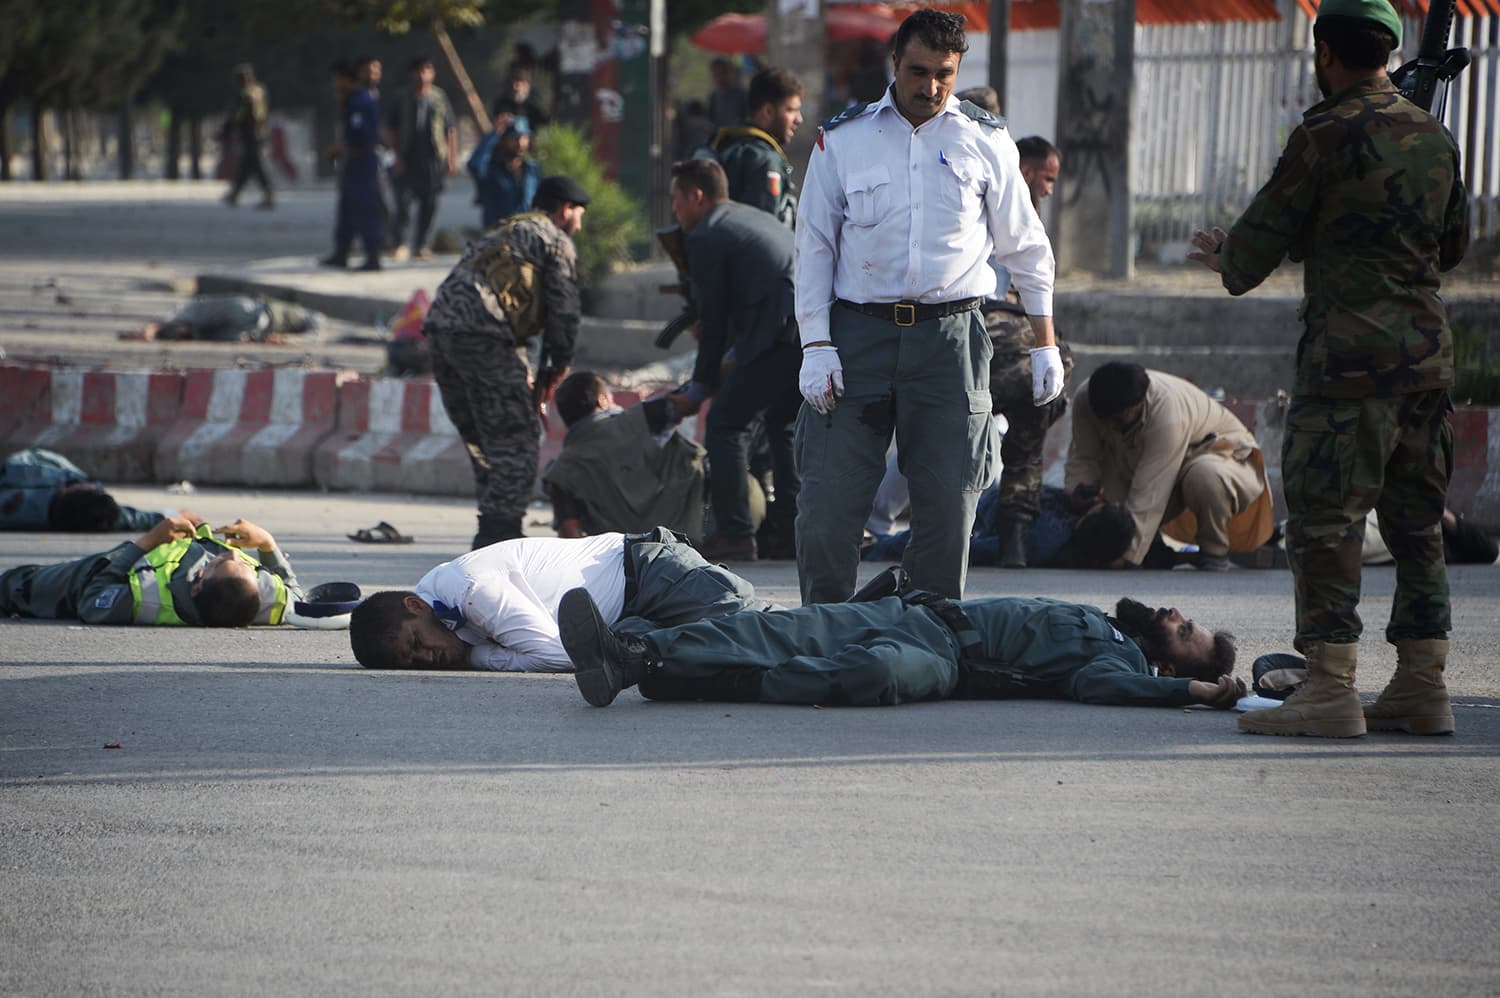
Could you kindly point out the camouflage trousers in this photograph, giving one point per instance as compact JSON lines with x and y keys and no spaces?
{"x":484,"y":383}
{"x":1021,"y":449}
{"x":1342,"y":458}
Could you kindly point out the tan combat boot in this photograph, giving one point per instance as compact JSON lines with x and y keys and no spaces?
{"x":1326,"y":706}
{"x":1415,"y":700}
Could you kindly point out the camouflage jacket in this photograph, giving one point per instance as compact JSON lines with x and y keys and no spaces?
{"x":1368,"y":195}
{"x":517,"y":280}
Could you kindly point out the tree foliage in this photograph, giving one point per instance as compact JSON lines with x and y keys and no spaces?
{"x":613,"y":221}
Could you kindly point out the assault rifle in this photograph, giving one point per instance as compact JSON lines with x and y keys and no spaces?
{"x":671,"y":239}
{"x":1435,"y":62}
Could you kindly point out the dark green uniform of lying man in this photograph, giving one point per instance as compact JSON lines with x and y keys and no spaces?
{"x":911,"y":648}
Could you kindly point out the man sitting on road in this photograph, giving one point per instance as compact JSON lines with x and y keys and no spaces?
{"x":175,"y":573}
{"x":621,"y":469}
{"x":495,"y":608}
{"x":1180,"y":463}
{"x":908,"y":648}
{"x":42,"y":490}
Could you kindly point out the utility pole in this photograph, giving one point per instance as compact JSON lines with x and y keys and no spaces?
{"x":1000,"y":50}
{"x":1094,"y":97}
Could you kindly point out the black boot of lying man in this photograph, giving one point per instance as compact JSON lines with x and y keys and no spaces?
{"x":605,"y":662}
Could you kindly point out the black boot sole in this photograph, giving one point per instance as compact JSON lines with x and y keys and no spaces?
{"x":585,"y":638}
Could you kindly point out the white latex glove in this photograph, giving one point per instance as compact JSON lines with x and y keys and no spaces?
{"x":1046,"y":375}
{"x":822,"y":378}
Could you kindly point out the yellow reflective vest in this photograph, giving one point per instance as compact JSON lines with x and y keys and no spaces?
{"x":151,"y":577}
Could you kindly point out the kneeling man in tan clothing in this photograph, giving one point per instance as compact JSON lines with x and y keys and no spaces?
{"x":1180,"y":463}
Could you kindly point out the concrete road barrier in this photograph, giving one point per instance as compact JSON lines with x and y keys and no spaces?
{"x":250,"y":427}
{"x":394,"y":436}
{"x":108,"y":422}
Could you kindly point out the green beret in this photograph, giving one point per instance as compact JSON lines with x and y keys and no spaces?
{"x":1379,"y":11}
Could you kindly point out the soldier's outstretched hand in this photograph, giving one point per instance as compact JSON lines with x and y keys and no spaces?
{"x":1209,"y":246}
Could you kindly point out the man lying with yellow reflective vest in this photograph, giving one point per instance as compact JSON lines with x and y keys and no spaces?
{"x":177,"y":573}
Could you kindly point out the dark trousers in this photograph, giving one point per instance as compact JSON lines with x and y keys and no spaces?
{"x":766,"y":385}
{"x":484,"y":389}
{"x":360,"y":210}
{"x":251,"y":165}
{"x":419,"y":187}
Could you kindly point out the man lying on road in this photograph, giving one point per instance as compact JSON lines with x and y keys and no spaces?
{"x":903,"y":649}
{"x":175,"y":573}
{"x":496,"y":607}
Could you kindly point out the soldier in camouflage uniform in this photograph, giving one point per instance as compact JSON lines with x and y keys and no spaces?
{"x":1021,"y":448}
{"x":245,"y":127}
{"x":1368,"y":195}
{"x":518,"y":280}
{"x":752,"y":153}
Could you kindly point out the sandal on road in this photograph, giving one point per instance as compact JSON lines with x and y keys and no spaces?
{"x":381,"y":533}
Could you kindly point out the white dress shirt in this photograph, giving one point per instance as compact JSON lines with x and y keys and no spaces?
{"x":895,"y":213}
{"x":502,"y":599}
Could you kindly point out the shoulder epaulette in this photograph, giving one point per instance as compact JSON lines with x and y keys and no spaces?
{"x":847,"y":114}
{"x":980,"y":115}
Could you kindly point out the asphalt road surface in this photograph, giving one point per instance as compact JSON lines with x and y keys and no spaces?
{"x":276,"y":820}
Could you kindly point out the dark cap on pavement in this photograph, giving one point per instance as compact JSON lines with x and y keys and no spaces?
{"x":1379,"y":11}
{"x":560,"y":189}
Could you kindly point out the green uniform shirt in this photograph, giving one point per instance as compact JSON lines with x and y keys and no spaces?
{"x":1368,"y":195}
{"x":759,"y":173}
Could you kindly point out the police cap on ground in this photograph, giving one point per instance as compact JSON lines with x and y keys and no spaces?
{"x":1379,"y":11}
{"x":558,"y":189}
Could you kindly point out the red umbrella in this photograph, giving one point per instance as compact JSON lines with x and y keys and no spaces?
{"x":733,"y":34}
{"x":746,"y":33}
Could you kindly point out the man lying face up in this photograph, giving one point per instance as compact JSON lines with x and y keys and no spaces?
{"x":909,"y":648}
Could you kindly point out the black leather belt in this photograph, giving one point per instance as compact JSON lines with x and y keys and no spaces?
{"x":632,"y":584}
{"x":909,"y":313}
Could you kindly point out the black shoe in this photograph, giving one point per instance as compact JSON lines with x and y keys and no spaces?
{"x":1013,"y":544}
{"x":338,"y":260}
{"x":494,"y":529}
{"x":372,"y":263}
{"x":604,"y":662}
{"x":891,"y":582}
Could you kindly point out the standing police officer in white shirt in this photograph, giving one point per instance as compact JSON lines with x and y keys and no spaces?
{"x":907,"y":200}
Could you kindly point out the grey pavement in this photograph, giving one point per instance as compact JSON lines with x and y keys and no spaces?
{"x":277,"y":820}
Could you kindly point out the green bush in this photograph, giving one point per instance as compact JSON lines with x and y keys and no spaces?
{"x":613,"y":221}
{"x":1476,"y":376}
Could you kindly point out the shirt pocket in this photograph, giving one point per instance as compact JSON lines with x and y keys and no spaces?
{"x":1071,"y":625}
{"x":961,"y":183}
{"x":868,"y":196}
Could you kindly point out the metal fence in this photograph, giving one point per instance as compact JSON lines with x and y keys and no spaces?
{"x":1215,"y":103}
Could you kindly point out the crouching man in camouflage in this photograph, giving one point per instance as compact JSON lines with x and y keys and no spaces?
{"x":1368,"y":194}
{"x":518,"y":280}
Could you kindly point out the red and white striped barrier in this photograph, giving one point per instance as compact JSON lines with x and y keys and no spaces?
{"x":1475,"y":488}
{"x":394,"y":436}
{"x":107,"y":422}
{"x":250,"y":427}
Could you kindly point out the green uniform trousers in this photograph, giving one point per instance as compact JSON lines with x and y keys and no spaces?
{"x":1341,"y":458}
{"x":65,"y":591}
{"x":861,"y":654}
{"x":929,"y":384}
